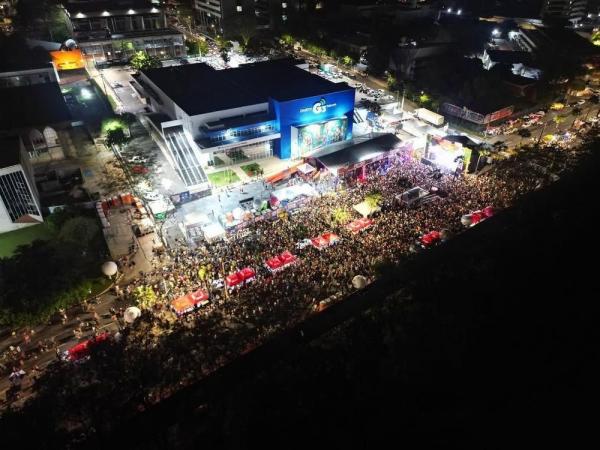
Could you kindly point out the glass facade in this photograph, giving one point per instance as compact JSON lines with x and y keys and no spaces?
{"x":16,"y":196}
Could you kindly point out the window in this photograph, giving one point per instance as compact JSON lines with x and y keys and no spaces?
{"x":16,"y":196}
{"x":284,"y":5}
{"x":239,"y":8}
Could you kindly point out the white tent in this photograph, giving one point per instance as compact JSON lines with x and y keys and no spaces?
{"x":213,"y":231}
{"x":365,"y":209}
{"x":305,"y":168}
{"x":195,"y":218}
{"x":162,"y":205}
{"x":290,"y":193}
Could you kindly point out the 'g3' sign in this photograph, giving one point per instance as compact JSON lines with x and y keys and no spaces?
{"x":320,"y":106}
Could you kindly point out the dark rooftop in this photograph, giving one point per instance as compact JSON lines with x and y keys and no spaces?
{"x":39,"y":104}
{"x":10,"y":154}
{"x":199,"y":89}
{"x":16,"y":56}
{"x":509,"y":57}
{"x":353,"y":154}
{"x":107,"y":5}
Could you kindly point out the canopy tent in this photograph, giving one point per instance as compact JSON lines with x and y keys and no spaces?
{"x":360,"y":224}
{"x":189,"y":302}
{"x":324,"y":241}
{"x":412,"y":195}
{"x":84,"y":348}
{"x":280,"y":262}
{"x":160,"y":207}
{"x":290,"y":193}
{"x":365,"y":209}
{"x":246,"y":275}
{"x":431,"y":238}
{"x":195,"y":218}
{"x":305,"y":169}
{"x":234,"y":279}
{"x":213,"y":232}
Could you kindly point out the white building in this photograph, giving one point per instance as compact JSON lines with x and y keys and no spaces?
{"x":19,"y":199}
{"x":113,"y":30}
{"x":571,"y":10}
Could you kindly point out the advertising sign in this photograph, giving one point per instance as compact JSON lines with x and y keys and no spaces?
{"x":317,"y":135}
{"x":67,"y":59}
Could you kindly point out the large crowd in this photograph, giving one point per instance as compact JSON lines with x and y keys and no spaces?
{"x":238,"y":319}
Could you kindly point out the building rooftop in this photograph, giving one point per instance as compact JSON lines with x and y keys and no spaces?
{"x":10,"y":151}
{"x":335,"y":159}
{"x":199,"y":89}
{"x":91,"y":6}
{"x":36,"y":105}
{"x":16,"y":56}
{"x":509,"y":57}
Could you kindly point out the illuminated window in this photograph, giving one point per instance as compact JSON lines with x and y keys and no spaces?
{"x":284,"y":17}
{"x":284,"y":5}
{"x":239,"y":8}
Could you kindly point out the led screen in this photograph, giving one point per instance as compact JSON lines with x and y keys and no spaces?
{"x":317,"y":135}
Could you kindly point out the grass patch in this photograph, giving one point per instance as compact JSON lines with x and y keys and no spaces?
{"x":223,"y":178}
{"x":251,"y":170}
{"x":10,"y":241}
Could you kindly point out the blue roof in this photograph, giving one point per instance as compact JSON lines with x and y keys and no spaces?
{"x":199,"y":89}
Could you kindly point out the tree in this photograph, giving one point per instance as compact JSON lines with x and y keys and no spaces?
{"x":340,"y":216}
{"x":391,"y":81}
{"x":79,"y":231}
{"x":287,"y":39}
{"x":224,"y":46}
{"x":374,"y":199}
{"x":192,"y":46}
{"x":202,"y":47}
{"x":142,"y":61}
{"x":115,"y":131}
{"x":242,"y":26}
{"x":145,"y":297}
{"x":116,"y":137}
{"x":347,"y":61}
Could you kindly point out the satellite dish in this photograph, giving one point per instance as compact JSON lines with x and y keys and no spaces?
{"x":109,"y":268}
{"x":70,"y":44}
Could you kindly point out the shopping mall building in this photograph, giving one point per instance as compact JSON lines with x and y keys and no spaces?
{"x":214,"y":117}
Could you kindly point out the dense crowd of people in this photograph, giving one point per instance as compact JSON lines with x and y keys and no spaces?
{"x":237,"y":319}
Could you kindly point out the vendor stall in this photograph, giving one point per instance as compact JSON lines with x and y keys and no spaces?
{"x":189,"y":302}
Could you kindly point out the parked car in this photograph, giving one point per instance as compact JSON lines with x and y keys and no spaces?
{"x":137,"y":159}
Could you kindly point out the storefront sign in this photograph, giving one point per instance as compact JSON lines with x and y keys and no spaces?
{"x":319,"y":107}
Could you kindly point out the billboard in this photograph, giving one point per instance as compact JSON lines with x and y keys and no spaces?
{"x":295,"y":115}
{"x":316,"y":135}
{"x":67,"y":59}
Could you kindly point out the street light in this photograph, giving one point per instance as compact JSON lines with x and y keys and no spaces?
{"x":459,"y":12}
{"x":495,"y":32}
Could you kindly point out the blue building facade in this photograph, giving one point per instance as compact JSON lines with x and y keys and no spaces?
{"x":311,"y":123}
{"x":303,"y":125}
